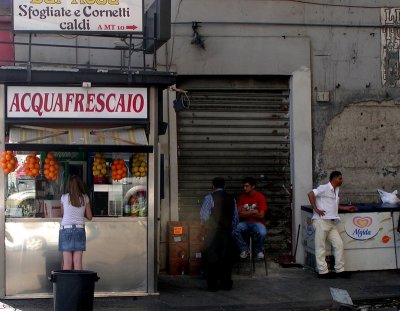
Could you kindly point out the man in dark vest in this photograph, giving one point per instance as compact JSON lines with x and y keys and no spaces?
{"x":219,"y":214}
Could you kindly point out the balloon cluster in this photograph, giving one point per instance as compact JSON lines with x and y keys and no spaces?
{"x":118,"y":169}
{"x":50,"y":167}
{"x":8,"y":161}
{"x":32,"y":165}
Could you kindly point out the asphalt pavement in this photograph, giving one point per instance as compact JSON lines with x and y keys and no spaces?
{"x":290,"y":288}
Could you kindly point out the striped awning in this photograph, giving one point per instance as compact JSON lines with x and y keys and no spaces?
{"x":119,"y":136}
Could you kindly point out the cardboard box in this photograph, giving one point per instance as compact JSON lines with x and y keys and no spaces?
{"x":52,"y":208}
{"x":176,"y":267}
{"x":178,"y":250}
{"x":196,"y":232}
{"x":178,"y":231}
{"x":196,"y":251}
{"x":195,"y":267}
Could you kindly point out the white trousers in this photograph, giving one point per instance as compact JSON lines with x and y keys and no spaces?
{"x":325,"y":230}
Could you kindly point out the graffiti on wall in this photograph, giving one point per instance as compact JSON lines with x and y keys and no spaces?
{"x":390,"y":46}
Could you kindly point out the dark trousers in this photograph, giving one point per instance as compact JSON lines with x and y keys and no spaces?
{"x":218,"y":261}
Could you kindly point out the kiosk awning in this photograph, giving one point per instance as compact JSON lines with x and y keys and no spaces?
{"x":126,"y":138}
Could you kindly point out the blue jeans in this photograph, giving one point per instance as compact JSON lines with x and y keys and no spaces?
{"x":260,"y":233}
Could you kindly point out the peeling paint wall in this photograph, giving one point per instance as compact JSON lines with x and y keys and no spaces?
{"x":362,"y":143}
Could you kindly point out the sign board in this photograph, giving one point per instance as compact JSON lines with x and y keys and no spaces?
{"x":76,"y":102}
{"x":362,"y":226}
{"x":78,"y":16}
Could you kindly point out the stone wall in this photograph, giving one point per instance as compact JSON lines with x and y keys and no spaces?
{"x":362,"y":143}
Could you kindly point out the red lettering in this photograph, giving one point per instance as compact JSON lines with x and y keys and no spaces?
{"x":58,"y":104}
{"x":46,"y":100}
{"x":121,"y":103}
{"x":79,"y":102}
{"x":90,"y":99}
{"x":128,"y":107}
{"x":59,"y":100}
{"x":23,"y":108}
{"x":138,"y":103}
{"x":15,"y":103}
{"x":108,"y":102}
{"x":101,"y":103}
{"x":37,"y":103}
{"x":68,"y":100}
{"x":55,"y":104}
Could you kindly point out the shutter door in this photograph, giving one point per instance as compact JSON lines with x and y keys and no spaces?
{"x":236,"y":132}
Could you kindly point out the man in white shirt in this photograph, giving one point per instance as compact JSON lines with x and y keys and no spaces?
{"x":325,"y":204}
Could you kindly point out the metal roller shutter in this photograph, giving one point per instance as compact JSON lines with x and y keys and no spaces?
{"x":237,"y":128}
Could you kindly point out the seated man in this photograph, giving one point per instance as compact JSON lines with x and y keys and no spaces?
{"x":252,"y":206}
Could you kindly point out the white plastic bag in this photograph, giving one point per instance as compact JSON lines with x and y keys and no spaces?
{"x":388,"y":197}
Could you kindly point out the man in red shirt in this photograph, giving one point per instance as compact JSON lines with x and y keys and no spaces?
{"x":252,"y":206}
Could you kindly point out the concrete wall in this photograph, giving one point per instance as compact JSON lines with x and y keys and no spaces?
{"x":365,"y":137}
{"x":340,"y":43}
{"x":269,"y":37}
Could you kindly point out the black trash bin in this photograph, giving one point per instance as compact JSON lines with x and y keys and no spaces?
{"x":73,"y":290}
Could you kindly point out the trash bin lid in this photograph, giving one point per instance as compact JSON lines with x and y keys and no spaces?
{"x":73,"y":273}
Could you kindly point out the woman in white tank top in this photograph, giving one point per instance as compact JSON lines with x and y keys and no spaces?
{"x":75,"y":207}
